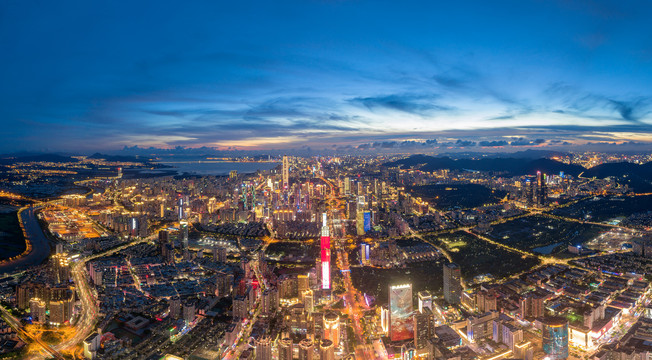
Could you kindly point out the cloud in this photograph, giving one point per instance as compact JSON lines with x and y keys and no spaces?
{"x":495,"y":143}
{"x":526,"y":142}
{"x":407,"y":103}
{"x":590,"y":105}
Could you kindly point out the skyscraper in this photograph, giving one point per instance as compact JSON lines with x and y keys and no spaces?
{"x":425,"y":300}
{"x":400,"y":312}
{"x":285,"y":349}
{"x":325,"y":255}
{"x":306,"y":349}
{"x":263,"y":348}
{"x":542,"y":192}
{"x":555,"y":337}
{"x":184,"y":238}
{"x":452,"y":283}
{"x":421,"y":326}
{"x":326,"y":350}
{"x":332,"y":327}
{"x":286,"y":172}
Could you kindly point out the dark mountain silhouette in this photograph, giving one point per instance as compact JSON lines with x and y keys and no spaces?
{"x":620,"y":169}
{"x":509,"y":166}
{"x":54,"y":158}
{"x":119,"y":158}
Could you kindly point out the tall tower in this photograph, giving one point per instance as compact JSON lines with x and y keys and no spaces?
{"x":541,"y":189}
{"x":325,"y":254}
{"x":400,"y":312}
{"x":286,"y":172}
{"x":452,"y":283}
{"x":183,"y":232}
{"x":332,"y":327}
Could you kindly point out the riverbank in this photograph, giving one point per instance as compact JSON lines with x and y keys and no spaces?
{"x":37,"y":246}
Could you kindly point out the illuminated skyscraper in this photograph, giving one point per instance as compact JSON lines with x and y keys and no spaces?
{"x":425,"y":300}
{"x":263,"y":348}
{"x":325,"y":255}
{"x":286,"y":172}
{"x":555,"y":338}
{"x":181,"y":213}
{"x":332,"y":327}
{"x":285,"y":349}
{"x":542,"y":192}
{"x":326,"y":350}
{"x":306,"y":349}
{"x":359,"y":216}
{"x":400,"y":312}
{"x":183,"y":233}
{"x":452,"y":283}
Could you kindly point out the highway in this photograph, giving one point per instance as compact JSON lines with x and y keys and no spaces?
{"x":89,"y":304}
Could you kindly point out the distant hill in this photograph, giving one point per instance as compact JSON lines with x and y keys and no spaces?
{"x":510,"y":166}
{"x":620,"y":169}
{"x":119,"y":158}
{"x":54,"y":158}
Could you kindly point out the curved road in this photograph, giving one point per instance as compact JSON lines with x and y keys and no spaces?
{"x":40,"y":244}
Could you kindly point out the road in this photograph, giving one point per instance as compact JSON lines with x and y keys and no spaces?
{"x":17,"y":326}
{"x":90,"y":309}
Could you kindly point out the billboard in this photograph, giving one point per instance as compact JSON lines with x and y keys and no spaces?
{"x":401,"y":326}
{"x":367,"y":221}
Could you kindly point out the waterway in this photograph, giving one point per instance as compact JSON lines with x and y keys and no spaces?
{"x":40,"y":244}
{"x":545,"y":250}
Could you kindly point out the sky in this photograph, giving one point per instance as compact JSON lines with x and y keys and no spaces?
{"x":99,"y":76}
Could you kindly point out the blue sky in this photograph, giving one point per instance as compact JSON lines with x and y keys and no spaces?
{"x":86,"y":76}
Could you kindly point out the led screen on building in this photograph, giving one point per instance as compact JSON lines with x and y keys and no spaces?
{"x":400,"y":312}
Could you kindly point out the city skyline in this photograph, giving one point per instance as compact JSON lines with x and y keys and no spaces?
{"x":326,"y":74}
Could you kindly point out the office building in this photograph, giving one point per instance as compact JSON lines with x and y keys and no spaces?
{"x":306,"y":349}
{"x":285,"y":349}
{"x":400,"y":312}
{"x":555,"y":337}
{"x":452,"y":283}
{"x":326,"y":350}
{"x":332,"y":327}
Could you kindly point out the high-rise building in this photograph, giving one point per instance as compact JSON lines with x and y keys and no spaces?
{"x":325,"y":254}
{"x":332,"y":327}
{"x":308,"y":301}
{"x":286,"y":172}
{"x":400,"y":312}
{"x":91,"y":344}
{"x":37,"y":310}
{"x":542,"y":192}
{"x":425,"y":300}
{"x":359,"y":216}
{"x":422,"y":322}
{"x":263,"y":348}
{"x":60,"y":268}
{"x":306,"y":349}
{"x":183,"y":232}
{"x":524,"y":350}
{"x":189,"y":312}
{"x":163,"y":241}
{"x":452,"y":283}
{"x":555,"y":337}
{"x":285,"y":349}
{"x":326,"y":350}
{"x":364,"y":253}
